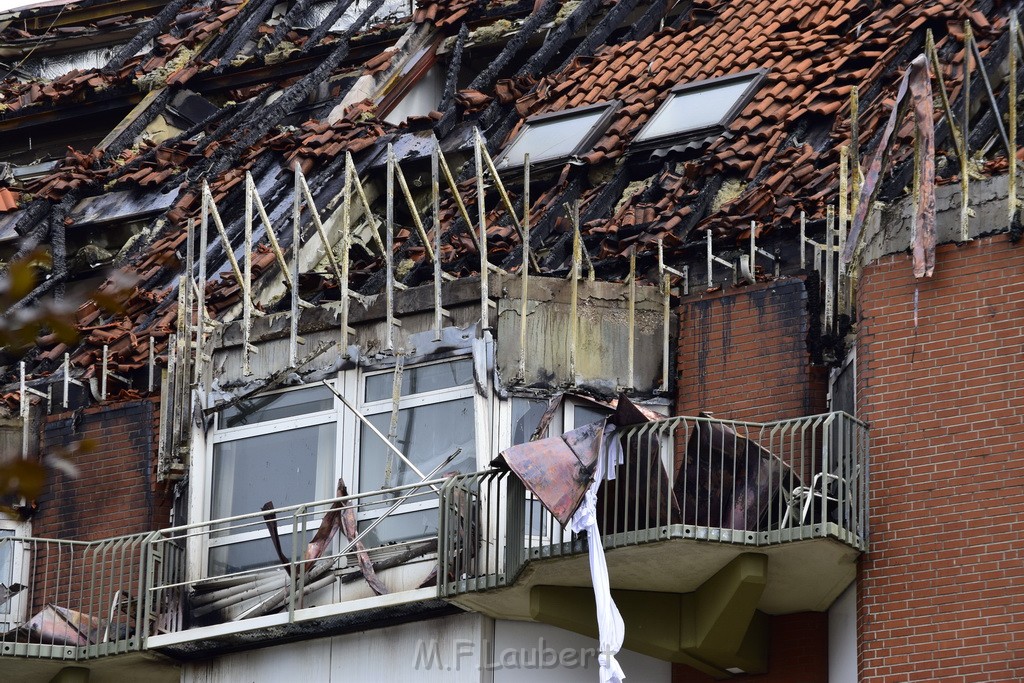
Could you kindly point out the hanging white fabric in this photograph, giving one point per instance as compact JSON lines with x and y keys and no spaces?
{"x":611,"y":630}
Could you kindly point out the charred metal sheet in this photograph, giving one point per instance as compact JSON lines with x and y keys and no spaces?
{"x":56,"y":625}
{"x":558,"y":470}
{"x":917,"y":82}
{"x":729,"y":481}
{"x":635,"y":498}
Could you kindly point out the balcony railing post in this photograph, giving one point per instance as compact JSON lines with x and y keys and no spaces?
{"x":147,"y":586}
{"x":515,"y":527}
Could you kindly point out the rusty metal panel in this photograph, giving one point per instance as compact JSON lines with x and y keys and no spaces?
{"x":559,"y":469}
{"x":729,"y":481}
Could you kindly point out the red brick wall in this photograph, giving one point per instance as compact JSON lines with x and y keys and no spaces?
{"x":942,"y":589}
{"x":743,"y":354}
{"x":115,"y":492}
{"x":797,"y":653}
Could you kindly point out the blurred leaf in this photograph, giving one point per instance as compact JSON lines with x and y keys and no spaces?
{"x":21,"y":280}
{"x":22,"y":478}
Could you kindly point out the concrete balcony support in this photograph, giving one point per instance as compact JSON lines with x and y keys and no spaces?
{"x":716,"y":629}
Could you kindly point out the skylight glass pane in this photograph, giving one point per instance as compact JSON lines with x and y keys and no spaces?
{"x":695,"y":108}
{"x":553,"y":138}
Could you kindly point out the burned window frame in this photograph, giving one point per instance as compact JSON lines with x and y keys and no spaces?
{"x":14,"y":612}
{"x":586,"y":143}
{"x":410,"y":401}
{"x":345,"y":460}
{"x":541,"y":527}
{"x":756,"y":76}
{"x":223,"y":434}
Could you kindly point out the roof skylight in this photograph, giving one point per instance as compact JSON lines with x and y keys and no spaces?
{"x":701,"y":106}
{"x":558,"y":135}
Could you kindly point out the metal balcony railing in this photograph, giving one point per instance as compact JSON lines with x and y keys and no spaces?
{"x":329,"y":552}
{"x":745,"y":483}
{"x":72,"y":600}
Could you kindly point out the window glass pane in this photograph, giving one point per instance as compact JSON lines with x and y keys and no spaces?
{"x":396,"y":528}
{"x":584,"y":415}
{"x":538,"y":520}
{"x":254,"y":554}
{"x":526,"y":414}
{"x":427,"y":435}
{"x":6,"y":566}
{"x":420,"y":379}
{"x":287,"y":467}
{"x":695,"y":108}
{"x":552,"y":138}
{"x":277,"y":406}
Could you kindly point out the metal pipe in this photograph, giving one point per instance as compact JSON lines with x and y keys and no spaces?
{"x":350,"y":167}
{"x":829,"y":254}
{"x":246,"y":285}
{"x":991,"y":96}
{"x":450,"y":179}
{"x":631,"y":318}
{"x":574,"y":292}
{"x":1011,"y":199}
{"x":413,"y":210}
{"x":293,"y":328}
{"x":666,"y":312}
{"x":435,"y":203}
{"x":346,"y":249}
{"x":275,"y":246}
{"x":505,"y":199}
{"x":524,"y":271}
{"x":965,"y":152}
{"x":389,"y":260}
{"x":844,"y":215}
{"x":482,"y":215}
{"x":803,"y":241}
{"x":219,"y":224}
{"x":372,"y":428}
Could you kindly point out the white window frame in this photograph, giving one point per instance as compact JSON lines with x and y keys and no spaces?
{"x":348,"y":435}
{"x":21,"y":564}
{"x":586,"y":143}
{"x":228,"y":434}
{"x":756,"y":76}
{"x":383,"y":406}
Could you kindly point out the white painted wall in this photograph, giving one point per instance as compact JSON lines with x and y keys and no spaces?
{"x":528,"y":652}
{"x":842,"y":638}
{"x":464,"y":648}
{"x":421,"y":99}
{"x":421,"y":651}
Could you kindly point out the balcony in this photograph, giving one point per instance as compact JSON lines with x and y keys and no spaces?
{"x":64,"y":603}
{"x":301,"y":570}
{"x":218,"y":585}
{"x":708,"y":525}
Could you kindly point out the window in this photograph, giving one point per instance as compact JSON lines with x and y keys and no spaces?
{"x":436,"y":416}
{"x":279,"y":447}
{"x":525,"y":418}
{"x":526,"y":415}
{"x":557,"y":136}
{"x":14,"y":556}
{"x":701,"y":106}
{"x":291,"y":446}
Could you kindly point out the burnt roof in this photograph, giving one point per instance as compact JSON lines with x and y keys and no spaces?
{"x":251,"y":91}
